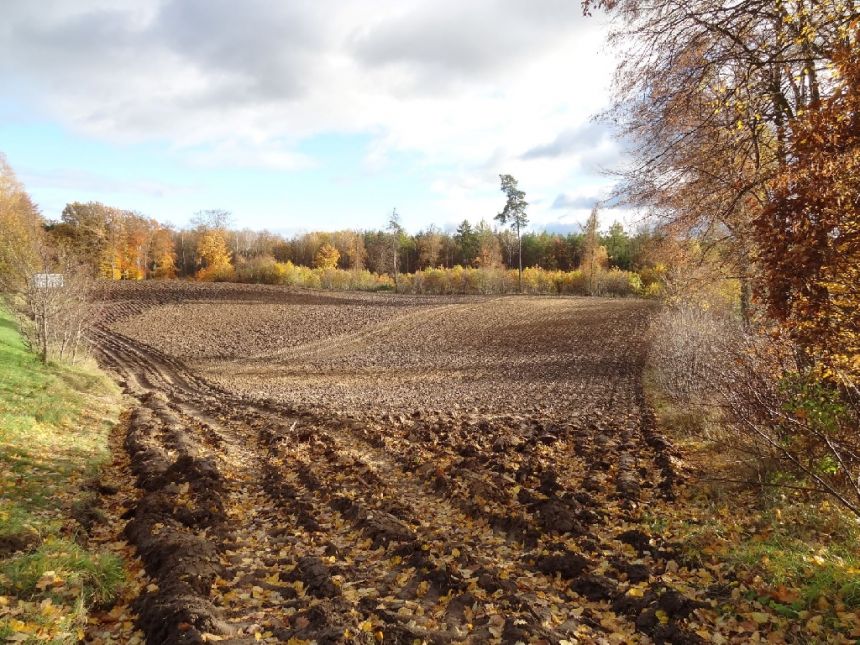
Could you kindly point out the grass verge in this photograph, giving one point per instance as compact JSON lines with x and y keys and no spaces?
{"x":54,"y":426}
{"x":794,"y":556}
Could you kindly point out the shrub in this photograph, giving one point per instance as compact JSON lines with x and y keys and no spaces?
{"x":471,"y":280}
{"x":217,"y":273}
{"x":265,"y":270}
{"x":616,"y":282}
{"x":431,"y":281}
{"x":259,"y":270}
{"x":787,"y":426}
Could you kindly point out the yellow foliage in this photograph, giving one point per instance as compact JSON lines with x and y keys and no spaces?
{"x":20,"y":222}
{"x":214,"y":256}
{"x":326,"y":257}
{"x":471,"y":280}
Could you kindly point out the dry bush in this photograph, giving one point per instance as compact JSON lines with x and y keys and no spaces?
{"x":688,"y":344}
{"x":616,"y":282}
{"x":53,"y":318}
{"x":785,"y":427}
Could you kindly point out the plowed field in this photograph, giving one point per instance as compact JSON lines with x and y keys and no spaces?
{"x":380,"y":468}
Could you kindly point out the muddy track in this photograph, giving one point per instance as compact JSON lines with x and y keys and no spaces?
{"x":264,"y":520}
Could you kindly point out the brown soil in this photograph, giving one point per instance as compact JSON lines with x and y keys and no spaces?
{"x":357,"y":468}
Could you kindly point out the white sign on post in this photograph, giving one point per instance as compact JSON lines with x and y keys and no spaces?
{"x":48,"y":280}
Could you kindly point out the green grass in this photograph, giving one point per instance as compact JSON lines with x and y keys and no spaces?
{"x":796,"y":554}
{"x":809,"y":549}
{"x":92,"y":577}
{"x":54,"y":426}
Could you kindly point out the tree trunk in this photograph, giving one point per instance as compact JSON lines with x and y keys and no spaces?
{"x":43,"y":323}
{"x":746,"y":297}
{"x":520,"y":252}
{"x":746,"y":287}
{"x":395,"y":270}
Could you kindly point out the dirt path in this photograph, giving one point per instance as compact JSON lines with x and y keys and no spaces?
{"x":268,"y":519}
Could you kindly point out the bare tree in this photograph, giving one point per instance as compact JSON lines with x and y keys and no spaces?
{"x":50,"y":295}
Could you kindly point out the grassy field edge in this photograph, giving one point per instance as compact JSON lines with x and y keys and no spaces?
{"x":792,"y":558}
{"x":55,"y":425}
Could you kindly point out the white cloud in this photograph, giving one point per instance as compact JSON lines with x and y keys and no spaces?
{"x":237,"y":153}
{"x":475,"y":88}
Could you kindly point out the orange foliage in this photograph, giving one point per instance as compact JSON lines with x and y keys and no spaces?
{"x":810,"y":231}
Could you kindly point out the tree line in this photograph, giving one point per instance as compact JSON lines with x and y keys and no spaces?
{"x":49,"y":268}
{"x":124,"y":245}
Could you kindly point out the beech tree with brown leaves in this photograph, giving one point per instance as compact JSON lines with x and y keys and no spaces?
{"x":808,"y":235}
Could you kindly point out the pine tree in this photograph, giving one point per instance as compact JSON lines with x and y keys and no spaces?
{"x":514,"y":214}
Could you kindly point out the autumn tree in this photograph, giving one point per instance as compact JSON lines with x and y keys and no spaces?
{"x":213,"y":256}
{"x":134,"y":242}
{"x":117,"y":244}
{"x":429,"y":245}
{"x":705,"y":93}
{"x":514,"y":214}
{"x":744,"y":135}
{"x":90,"y":231}
{"x":489,"y":250}
{"x":212,"y":253}
{"x":326,"y":257}
{"x":41,"y":283}
{"x":20,"y":223}
{"x":350,"y":244}
{"x":594,"y":256}
{"x":809,"y":232}
{"x":163,"y":254}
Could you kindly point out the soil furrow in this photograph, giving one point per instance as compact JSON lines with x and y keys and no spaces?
{"x":442,"y":471}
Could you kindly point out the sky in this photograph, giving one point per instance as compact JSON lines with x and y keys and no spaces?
{"x":308,"y":115}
